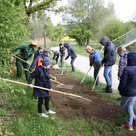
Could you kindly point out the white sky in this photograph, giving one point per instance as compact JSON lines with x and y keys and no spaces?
{"x":124,"y":10}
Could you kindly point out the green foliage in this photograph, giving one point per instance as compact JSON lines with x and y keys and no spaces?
{"x":80,"y":32}
{"x":12,"y":24}
{"x":55,"y":32}
{"x":115,"y":28}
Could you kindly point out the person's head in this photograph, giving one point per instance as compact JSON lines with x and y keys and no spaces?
{"x":33,"y":45}
{"x":89,"y":49}
{"x":131,"y":58}
{"x":61,"y":45}
{"x":105,"y":41}
{"x":120,"y":50}
{"x":40,"y":48}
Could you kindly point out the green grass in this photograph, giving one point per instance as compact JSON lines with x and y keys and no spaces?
{"x":18,"y":114}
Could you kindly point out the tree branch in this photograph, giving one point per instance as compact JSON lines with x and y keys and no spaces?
{"x":40,"y":6}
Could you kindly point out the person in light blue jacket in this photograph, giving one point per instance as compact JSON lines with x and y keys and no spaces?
{"x":95,"y":61}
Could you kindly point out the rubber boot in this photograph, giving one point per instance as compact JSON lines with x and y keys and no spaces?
{"x":108,"y":89}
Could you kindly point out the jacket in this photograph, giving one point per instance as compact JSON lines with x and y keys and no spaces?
{"x":42,"y":79}
{"x":109,"y":52}
{"x":24,"y":51}
{"x":127,"y":85}
{"x":70,"y":51}
{"x":122,"y":63}
{"x":94,"y":57}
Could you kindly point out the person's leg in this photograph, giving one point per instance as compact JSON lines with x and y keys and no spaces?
{"x":47,"y":103}
{"x":26,"y":66}
{"x":62,"y":59}
{"x":130,"y":106}
{"x":107,"y":75}
{"x":19,"y":68}
{"x":40,"y":102}
{"x":96,"y":72}
{"x":72,"y":64}
{"x":57,"y":58}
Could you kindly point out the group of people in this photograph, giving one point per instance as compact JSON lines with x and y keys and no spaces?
{"x":126,"y":75}
{"x":42,"y":63}
{"x":70,"y":53}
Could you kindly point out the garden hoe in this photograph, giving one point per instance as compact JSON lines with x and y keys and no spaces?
{"x":85,"y":75}
{"x":61,"y":85}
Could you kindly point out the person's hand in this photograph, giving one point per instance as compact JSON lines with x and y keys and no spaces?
{"x":11,"y":60}
{"x":30,"y":85}
{"x":51,"y":89}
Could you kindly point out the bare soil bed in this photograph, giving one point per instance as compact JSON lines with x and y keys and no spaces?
{"x":72,"y":108}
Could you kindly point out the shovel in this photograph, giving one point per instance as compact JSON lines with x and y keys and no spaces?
{"x":61,"y":85}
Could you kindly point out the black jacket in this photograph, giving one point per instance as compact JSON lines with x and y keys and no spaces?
{"x":109,"y":52}
{"x":70,"y":51}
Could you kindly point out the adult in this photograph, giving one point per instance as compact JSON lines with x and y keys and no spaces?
{"x":108,"y":61}
{"x":73,"y":56}
{"x":62,"y":54}
{"x":22,"y":54}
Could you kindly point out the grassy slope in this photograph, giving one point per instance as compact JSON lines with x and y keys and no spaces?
{"x":18,"y":116}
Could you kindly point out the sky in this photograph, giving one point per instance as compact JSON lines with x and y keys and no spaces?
{"x":124,"y":10}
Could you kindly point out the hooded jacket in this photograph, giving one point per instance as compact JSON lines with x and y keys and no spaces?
{"x":127,"y":85}
{"x":109,"y":52}
{"x":42,"y":78}
{"x":70,"y":51}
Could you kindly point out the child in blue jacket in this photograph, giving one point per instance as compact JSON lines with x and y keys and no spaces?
{"x":42,"y":78}
{"x":95,"y":61}
{"x":127,"y":90}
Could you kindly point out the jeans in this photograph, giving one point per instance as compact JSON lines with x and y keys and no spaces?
{"x":127,"y":104}
{"x":72,"y":64}
{"x":97,"y":66}
{"x":108,"y":75}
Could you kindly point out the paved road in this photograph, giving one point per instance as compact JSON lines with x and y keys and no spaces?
{"x":82,"y":64}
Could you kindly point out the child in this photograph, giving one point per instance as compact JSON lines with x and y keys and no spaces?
{"x":95,"y":61}
{"x":42,"y":78}
{"x":127,"y":89}
{"x":123,"y":60}
{"x":55,"y":56}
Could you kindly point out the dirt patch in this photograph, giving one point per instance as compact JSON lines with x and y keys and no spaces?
{"x":71,"y":108}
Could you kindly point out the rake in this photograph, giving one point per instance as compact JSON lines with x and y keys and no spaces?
{"x":61,"y":85}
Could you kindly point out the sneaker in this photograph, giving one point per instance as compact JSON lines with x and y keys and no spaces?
{"x":72,"y":72}
{"x":50,"y":112}
{"x":43,"y":115}
{"x":125,"y":126}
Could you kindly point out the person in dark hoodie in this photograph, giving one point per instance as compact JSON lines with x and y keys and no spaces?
{"x":73,"y":56}
{"x":41,"y":75}
{"x":108,"y":61}
{"x":127,"y":89}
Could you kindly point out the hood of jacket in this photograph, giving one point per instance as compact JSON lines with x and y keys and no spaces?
{"x":131,"y":58}
{"x":66,"y":45}
{"x":105,"y":41}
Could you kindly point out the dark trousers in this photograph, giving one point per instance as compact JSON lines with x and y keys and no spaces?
{"x":72,"y":64}
{"x":19,"y":65}
{"x":56,"y":58}
{"x":96,"y":71}
{"x":42,"y":100}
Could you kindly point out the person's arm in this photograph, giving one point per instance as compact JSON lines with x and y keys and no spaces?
{"x":18,"y":48}
{"x":107,"y":54}
{"x":123,"y":81}
{"x":68,"y":54}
